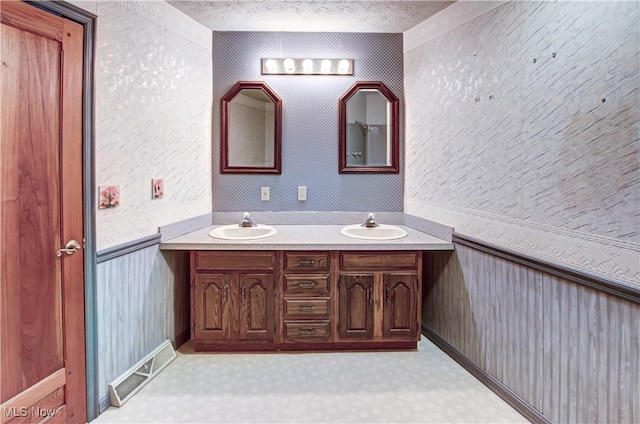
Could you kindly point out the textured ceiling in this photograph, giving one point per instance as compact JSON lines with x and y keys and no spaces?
{"x":310,"y":15}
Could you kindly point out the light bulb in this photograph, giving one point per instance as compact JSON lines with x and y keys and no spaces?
{"x":272,"y":66}
{"x":325,"y":66}
{"x":307,"y":66}
{"x":289,"y":66}
{"x":343,"y":66}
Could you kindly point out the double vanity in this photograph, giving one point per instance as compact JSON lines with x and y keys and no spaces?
{"x":357,"y":285}
{"x":305,"y":287}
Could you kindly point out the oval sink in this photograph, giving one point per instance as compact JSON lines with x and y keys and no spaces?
{"x":235,"y":232}
{"x":381,"y":232}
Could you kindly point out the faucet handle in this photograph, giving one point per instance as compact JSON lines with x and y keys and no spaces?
{"x":370,"y":222}
{"x":247,"y":221}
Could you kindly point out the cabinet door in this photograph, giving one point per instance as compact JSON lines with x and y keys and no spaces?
{"x":257,"y":306}
{"x":400,"y":306}
{"x":211,"y":303}
{"x":356,"y":306}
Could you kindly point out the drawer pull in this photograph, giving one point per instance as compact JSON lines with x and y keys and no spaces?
{"x":370,"y":295}
{"x":305,"y":308}
{"x":307,"y":284}
{"x":307,"y":331}
{"x":306,"y":262}
{"x":388,"y":294}
{"x":243,"y":294}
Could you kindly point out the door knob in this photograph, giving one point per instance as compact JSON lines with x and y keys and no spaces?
{"x":70,"y":248}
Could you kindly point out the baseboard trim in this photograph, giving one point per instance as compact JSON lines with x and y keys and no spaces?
{"x":581,"y":277}
{"x":104,"y":403}
{"x":515,"y":401}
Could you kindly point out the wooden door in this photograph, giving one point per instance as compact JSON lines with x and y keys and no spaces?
{"x":211,"y":307}
{"x":257,"y":306}
{"x":42,"y":315}
{"x":400,"y":308}
{"x":356,"y":306}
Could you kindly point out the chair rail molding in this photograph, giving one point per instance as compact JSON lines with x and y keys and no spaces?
{"x":611,"y":258}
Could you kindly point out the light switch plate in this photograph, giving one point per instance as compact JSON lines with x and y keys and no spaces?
{"x":265,"y":194}
{"x":302,"y":193}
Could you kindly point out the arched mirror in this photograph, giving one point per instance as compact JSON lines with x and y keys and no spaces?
{"x":251,"y":130}
{"x":369,"y":129}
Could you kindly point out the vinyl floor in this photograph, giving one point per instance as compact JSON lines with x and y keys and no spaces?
{"x":423,"y":386}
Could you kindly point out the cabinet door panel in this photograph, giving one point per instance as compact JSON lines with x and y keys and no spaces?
{"x":256,"y":306}
{"x":211,"y":314}
{"x":400,"y":307}
{"x":356,"y":306}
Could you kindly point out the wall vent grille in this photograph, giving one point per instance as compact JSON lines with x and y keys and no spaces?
{"x":132,"y":380}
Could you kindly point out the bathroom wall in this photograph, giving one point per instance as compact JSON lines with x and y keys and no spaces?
{"x":522,"y":129}
{"x":153,"y":119}
{"x":523,"y":132}
{"x":153,"y":116}
{"x":310,"y":121}
{"x":142,"y":300}
{"x":567,"y":350}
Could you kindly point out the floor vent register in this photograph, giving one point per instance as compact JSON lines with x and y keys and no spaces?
{"x":125,"y":386}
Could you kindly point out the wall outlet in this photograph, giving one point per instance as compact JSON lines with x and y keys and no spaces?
{"x":302,"y":193}
{"x":265,"y":194}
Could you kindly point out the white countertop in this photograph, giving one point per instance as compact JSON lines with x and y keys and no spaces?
{"x":306,"y":237}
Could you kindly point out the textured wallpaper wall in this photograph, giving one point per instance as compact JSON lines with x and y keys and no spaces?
{"x":523,"y":129}
{"x":310,"y":120}
{"x":153,"y":116}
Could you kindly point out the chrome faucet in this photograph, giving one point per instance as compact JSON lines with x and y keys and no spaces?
{"x":370,"y":222}
{"x":247,"y":221}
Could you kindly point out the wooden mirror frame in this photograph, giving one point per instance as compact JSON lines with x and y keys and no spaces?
{"x":225,"y":168}
{"x":394,"y":168}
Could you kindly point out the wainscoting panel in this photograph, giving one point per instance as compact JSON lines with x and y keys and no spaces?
{"x":568,"y":350}
{"x":143,"y":299}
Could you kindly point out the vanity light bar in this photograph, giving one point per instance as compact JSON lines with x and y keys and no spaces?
{"x":290,"y":66}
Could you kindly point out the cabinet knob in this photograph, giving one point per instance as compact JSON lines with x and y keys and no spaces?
{"x":225,"y":293}
{"x":370,"y":295}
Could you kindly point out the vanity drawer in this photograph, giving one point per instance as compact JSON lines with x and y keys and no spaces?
{"x":306,"y":261}
{"x":235,"y":261}
{"x":307,"y":331}
{"x":381,"y":260}
{"x":308,"y":285}
{"x":301,"y":308}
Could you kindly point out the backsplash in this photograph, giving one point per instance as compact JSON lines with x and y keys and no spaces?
{"x":153,"y":116}
{"x":310,"y":121}
{"x":522,"y":129}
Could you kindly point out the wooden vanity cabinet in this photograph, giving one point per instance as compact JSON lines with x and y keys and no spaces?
{"x":305,"y":300}
{"x":232,"y":300}
{"x":379,"y":296}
